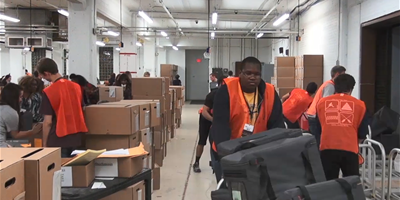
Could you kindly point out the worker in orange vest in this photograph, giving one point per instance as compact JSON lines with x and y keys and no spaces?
{"x":342,"y":124}
{"x":296,"y":103}
{"x":61,"y":106}
{"x":326,"y":89}
{"x":245,"y":105}
{"x":205,"y":121}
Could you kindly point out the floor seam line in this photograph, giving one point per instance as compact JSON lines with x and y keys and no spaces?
{"x":190,"y":168}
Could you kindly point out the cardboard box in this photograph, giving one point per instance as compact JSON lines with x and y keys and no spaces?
{"x":165,"y":150}
{"x":147,"y":139}
{"x":156,"y":177}
{"x":148,"y":160}
{"x":159,"y":156}
{"x":42,"y":167}
{"x":12,"y":179}
{"x":283,"y":91}
{"x":285,"y":82}
{"x":125,"y":167}
{"x":111,"y":93}
{"x":112,"y":119}
{"x":160,"y":99}
{"x":173,"y":131}
{"x":284,"y":61}
{"x":112,"y":142}
{"x":180,"y":91}
{"x":158,"y":139}
{"x":313,"y":60}
{"x":149,"y":86}
{"x":284,"y":72}
{"x":134,"y":192}
{"x":77,"y":176}
{"x":313,"y":72}
{"x":155,"y":110}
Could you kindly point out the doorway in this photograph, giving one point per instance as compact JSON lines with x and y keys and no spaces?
{"x":379,"y":64}
{"x":197,"y":75}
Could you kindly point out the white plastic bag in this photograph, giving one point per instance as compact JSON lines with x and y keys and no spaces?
{"x":397,"y":163}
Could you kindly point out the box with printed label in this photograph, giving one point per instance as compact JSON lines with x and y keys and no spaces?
{"x":42,"y":171}
{"x":12,"y":179}
{"x":124,"y":167}
{"x":134,"y":192}
{"x":77,"y":176}
{"x":112,"y":142}
{"x":112,"y":119}
{"x":111,"y":93}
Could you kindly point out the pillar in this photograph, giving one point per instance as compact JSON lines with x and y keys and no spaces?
{"x":149,"y":58}
{"x":81,"y":40}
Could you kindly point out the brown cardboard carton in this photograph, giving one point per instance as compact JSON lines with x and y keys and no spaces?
{"x":158,"y":139}
{"x":284,"y":61}
{"x":144,"y":111}
{"x":165,"y":150}
{"x":283,"y":91}
{"x":111,"y":93}
{"x":134,"y":192}
{"x":41,"y":164}
{"x":285,"y":82}
{"x":313,"y":72}
{"x":77,"y":176}
{"x":314,"y":60}
{"x":284,"y":72}
{"x":149,"y":86}
{"x":112,"y":142}
{"x":179,"y":91}
{"x":147,"y":139}
{"x":12,"y":179}
{"x":156,"y":177}
{"x":159,"y":156}
{"x":174,"y":100}
{"x":125,"y":167}
{"x":112,"y":119}
{"x":160,"y":99}
{"x":178,"y":113}
{"x":155,"y":110}
{"x":173,"y":131}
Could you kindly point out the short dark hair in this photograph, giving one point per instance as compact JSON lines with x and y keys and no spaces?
{"x":344,"y":83}
{"x":177,"y":76}
{"x":213,"y":74}
{"x":72,"y":76}
{"x":10,"y":96}
{"x":230,"y":73}
{"x":36,"y":74}
{"x":47,"y":65}
{"x":221,"y":80}
{"x":337,"y":69}
{"x":311,"y":88}
{"x":251,"y":60}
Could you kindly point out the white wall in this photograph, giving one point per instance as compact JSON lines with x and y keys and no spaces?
{"x":320,"y":24}
{"x":177,"y":58}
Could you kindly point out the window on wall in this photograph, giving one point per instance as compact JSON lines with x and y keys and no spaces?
{"x":37,"y":54}
{"x":106,"y":62}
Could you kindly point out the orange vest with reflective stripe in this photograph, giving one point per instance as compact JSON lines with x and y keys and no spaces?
{"x":239,"y":111}
{"x":297,"y":103}
{"x":340,"y":116}
{"x":312,"y":110}
{"x":66,"y":100}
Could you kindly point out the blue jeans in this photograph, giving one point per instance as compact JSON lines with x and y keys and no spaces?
{"x":314,"y":130}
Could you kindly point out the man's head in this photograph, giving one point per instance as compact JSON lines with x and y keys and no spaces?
{"x":250,"y":75}
{"x":311,"y":88}
{"x":47,"y":68}
{"x":344,"y":83}
{"x":230,"y":73}
{"x":146,"y":74}
{"x":337,"y":70}
{"x":213,"y":77}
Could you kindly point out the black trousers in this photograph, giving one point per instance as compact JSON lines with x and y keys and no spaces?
{"x":291,"y":125}
{"x":335,"y":160}
{"x":313,"y":126}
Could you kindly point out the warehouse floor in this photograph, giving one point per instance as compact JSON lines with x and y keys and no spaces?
{"x":177,"y":178}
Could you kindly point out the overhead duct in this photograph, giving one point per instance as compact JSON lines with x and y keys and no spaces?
{"x":258,"y":25}
{"x":172,"y":17}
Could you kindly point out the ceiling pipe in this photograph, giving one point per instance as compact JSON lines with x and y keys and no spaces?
{"x":262,"y":19}
{"x":227,"y":37}
{"x":172,"y":17}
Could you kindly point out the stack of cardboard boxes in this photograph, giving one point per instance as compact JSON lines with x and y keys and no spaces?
{"x":284,"y":75}
{"x":169,"y":71}
{"x":30,"y":173}
{"x":309,"y":68}
{"x":179,"y":102}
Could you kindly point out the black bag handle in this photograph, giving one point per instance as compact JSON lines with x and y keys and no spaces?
{"x":347,"y":188}
{"x":265,"y":182}
{"x":309,"y":160}
{"x":246,"y":145}
{"x":304,"y":192}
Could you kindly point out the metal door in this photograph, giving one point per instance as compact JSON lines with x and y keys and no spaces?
{"x":197,"y":75}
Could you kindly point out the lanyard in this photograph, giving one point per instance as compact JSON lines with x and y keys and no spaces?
{"x":254,"y":105}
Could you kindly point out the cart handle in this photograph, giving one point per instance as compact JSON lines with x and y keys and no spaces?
{"x":392,"y":153}
{"x":383,"y":163}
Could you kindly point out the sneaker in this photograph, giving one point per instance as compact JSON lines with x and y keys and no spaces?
{"x":196,"y":168}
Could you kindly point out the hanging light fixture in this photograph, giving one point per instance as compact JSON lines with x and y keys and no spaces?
{"x":63,"y":12}
{"x":281,"y":19}
{"x":8,"y":18}
{"x":145,"y":17}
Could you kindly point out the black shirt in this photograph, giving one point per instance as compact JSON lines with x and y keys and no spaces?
{"x":177,"y":82}
{"x":210,"y":99}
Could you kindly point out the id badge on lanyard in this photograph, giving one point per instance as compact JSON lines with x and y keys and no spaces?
{"x":247,"y":130}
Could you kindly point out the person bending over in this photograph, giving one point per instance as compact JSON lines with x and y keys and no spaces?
{"x":342,"y":124}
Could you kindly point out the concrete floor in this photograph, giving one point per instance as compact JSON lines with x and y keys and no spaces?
{"x":178,"y":181}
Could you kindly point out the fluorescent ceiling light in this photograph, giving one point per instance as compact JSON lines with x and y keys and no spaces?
{"x":63,"y":12}
{"x":175,"y":48}
{"x":100,"y":43}
{"x":118,"y":49}
{"x":281,"y":19}
{"x":214,"y":18}
{"x":2,"y":30}
{"x":164,"y":34}
{"x":260,"y":35}
{"x":7,"y":18}
{"x":145,"y":17}
{"x":212,"y":35}
{"x":26,"y":49}
{"x":112,"y":33}
{"x":138,"y":44}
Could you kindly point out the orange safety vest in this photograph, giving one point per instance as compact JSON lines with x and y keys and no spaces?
{"x":313,"y":108}
{"x":340,"y":116}
{"x":298,"y":102}
{"x":201,"y":110}
{"x":239,"y":111}
{"x":66,"y":99}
